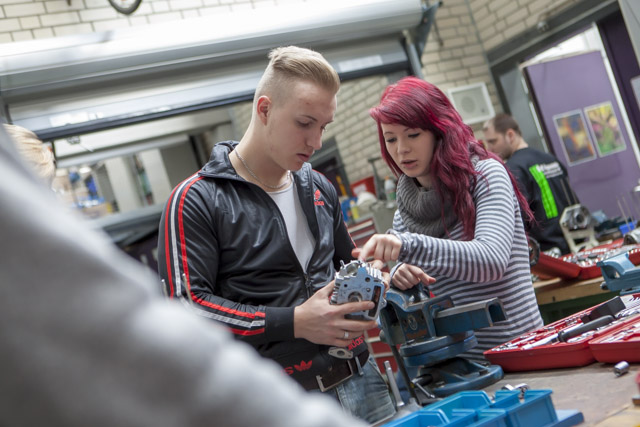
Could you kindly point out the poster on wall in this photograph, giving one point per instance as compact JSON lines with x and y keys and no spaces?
{"x":605,"y":128}
{"x":574,"y":136}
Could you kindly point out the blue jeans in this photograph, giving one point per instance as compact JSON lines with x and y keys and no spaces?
{"x":365,"y":396}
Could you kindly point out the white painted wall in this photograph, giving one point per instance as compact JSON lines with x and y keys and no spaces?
{"x":123,"y":183}
{"x":157,"y":175}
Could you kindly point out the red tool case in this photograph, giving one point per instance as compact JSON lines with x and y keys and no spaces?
{"x":622,"y":343}
{"x":533,"y":351}
{"x":582,"y":265}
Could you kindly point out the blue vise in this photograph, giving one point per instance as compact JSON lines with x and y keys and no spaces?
{"x":620,"y":274}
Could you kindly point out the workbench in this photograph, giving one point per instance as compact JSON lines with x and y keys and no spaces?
{"x":559,"y":298}
{"x":569,"y":285}
{"x":603,"y":398}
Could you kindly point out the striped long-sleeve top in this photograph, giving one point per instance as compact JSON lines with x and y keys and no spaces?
{"x":495,"y":263}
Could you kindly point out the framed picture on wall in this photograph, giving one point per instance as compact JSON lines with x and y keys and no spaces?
{"x":605,"y":128}
{"x":574,"y":137}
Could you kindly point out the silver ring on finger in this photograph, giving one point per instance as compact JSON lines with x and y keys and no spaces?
{"x":346,"y":335}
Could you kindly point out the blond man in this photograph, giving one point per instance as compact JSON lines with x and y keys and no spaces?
{"x":87,"y":340}
{"x":254,"y":238}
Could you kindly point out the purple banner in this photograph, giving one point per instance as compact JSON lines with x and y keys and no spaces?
{"x":586,"y":131}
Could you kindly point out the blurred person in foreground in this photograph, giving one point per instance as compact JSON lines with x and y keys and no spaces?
{"x":87,"y":339}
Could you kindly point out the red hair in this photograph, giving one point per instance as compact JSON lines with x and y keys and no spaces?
{"x":415,"y":103}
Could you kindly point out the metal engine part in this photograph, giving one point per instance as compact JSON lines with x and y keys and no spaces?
{"x":359,"y":281}
{"x":578,"y":228}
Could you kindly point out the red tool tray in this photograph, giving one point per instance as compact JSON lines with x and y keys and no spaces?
{"x":623,"y":343}
{"x":582,"y":265}
{"x":530,"y":351}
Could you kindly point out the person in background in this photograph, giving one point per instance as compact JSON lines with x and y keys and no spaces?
{"x":87,"y":338}
{"x":38,"y":155}
{"x":458,"y":227}
{"x":542,"y":179}
{"x":254,"y":239}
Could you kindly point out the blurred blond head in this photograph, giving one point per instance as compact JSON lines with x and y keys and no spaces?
{"x":38,"y":155}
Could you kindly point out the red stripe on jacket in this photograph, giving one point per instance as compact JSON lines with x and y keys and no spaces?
{"x":185,"y":267}
{"x":245,"y":333}
{"x":167,"y":245}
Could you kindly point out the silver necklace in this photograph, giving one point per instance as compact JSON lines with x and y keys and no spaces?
{"x":273,"y":187}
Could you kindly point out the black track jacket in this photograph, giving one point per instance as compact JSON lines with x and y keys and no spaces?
{"x":223,"y":246}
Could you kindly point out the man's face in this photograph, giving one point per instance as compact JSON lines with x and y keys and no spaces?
{"x":497,"y":142}
{"x":296,"y":123}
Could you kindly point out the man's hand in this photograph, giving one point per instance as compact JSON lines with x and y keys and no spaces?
{"x":407,"y":276}
{"x":320,"y":322}
{"x":383,"y":247}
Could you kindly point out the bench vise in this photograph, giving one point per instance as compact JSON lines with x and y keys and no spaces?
{"x":620,"y":274}
{"x":428,"y":333}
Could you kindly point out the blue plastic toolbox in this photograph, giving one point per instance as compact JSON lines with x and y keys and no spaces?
{"x":508,"y":409}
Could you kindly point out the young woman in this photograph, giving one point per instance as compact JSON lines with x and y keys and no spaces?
{"x":458,"y":227}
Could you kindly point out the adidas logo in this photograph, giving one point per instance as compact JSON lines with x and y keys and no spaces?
{"x":303,"y":366}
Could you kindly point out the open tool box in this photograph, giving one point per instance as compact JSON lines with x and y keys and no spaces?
{"x":577,"y":339}
{"x":583,"y":265}
{"x":509,"y":408}
{"x":622,"y":343}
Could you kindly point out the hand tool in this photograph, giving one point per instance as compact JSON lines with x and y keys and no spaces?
{"x":621,"y":368}
{"x":572,"y":332}
{"x":402,"y":408}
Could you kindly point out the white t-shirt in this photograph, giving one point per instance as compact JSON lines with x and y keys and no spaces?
{"x":298,"y":230}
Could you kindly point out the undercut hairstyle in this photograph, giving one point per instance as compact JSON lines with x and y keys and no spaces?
{"x":503,"y":122}
{"x":35,"y":153}
{"x":291,"y":63}
{"x":417,"y":104}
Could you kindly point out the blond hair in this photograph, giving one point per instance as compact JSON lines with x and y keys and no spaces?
{"x":33,"y":151}
{"x":290,"y":63}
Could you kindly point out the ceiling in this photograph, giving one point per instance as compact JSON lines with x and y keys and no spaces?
{"x":75,"y":85}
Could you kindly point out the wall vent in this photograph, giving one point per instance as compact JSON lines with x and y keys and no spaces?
{"x":472,"y":102}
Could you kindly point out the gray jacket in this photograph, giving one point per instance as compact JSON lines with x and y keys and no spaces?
{"x":87,"y":339}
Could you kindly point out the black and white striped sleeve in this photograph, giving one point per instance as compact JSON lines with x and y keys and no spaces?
{"x":483,"y":258}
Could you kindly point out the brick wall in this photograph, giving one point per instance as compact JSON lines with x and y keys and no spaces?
{"x":355,"y":131}
{"x":466,"y":30}
{"x":35,"y":19}
{"x":454,"y":55}
{"x":500,"y":20}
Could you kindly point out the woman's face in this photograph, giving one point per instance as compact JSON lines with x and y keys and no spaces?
{"x":411,"y":149}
